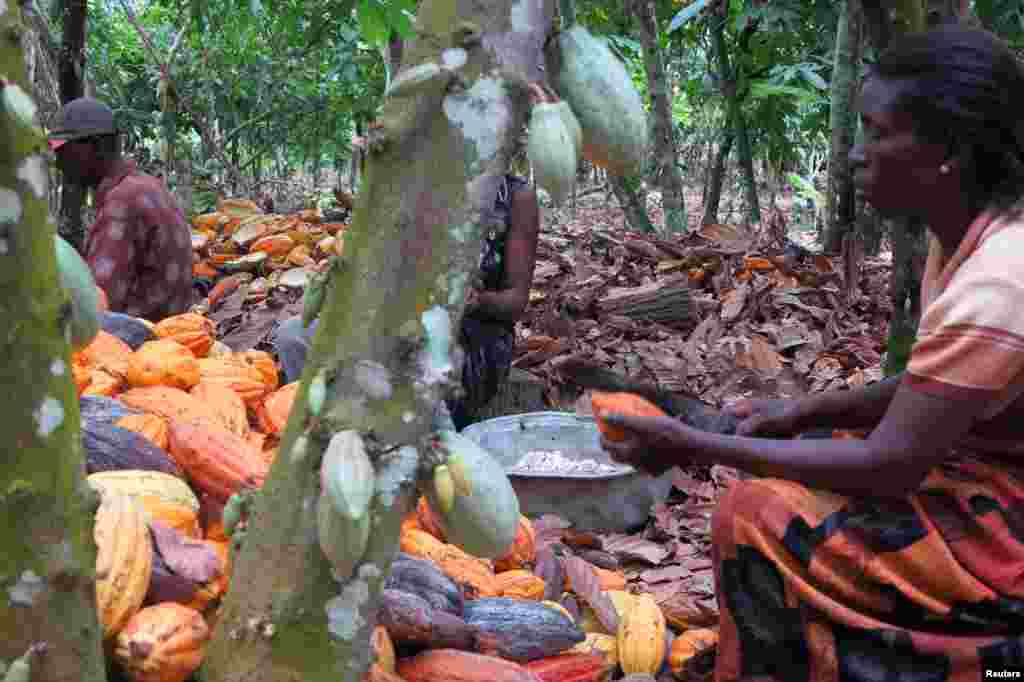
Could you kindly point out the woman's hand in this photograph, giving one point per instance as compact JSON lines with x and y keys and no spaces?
{"x":652,"y":444}
{"x":778,"y":418}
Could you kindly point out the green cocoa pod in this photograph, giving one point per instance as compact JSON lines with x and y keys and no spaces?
{"x":231,"y":516}
{"x":551,"y":150}
{"x":419,"y":78}
{"x":484,"y":522}
{"x":313,"y":298}
{"x":587,"y":75}
{"x":342,"y":540}
{"x":572,"y":124}
{"x":347,"y":475}
{"x":77,"y":280}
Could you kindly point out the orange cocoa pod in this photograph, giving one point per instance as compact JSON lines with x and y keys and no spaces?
{"x":163,"y":362}
{"x":272,"y":413}
{"x":191,"y":330}
{"x":223,"y":406}
{"x":216,"y":461}
{"x":162,"y":643}
{"x":428,"y":519}
{"x":571,"y":667}
{"x":153,"y":427}
{"x":451,"y":665}
{"x":523,"y":552}
{"x":519,"y":584}
{"x":628,"y":404}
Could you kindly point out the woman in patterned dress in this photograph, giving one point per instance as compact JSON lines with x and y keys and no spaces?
{"x":899,"y":557}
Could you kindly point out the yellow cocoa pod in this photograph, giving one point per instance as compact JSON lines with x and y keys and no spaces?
{"x":444,"y":488}
{"x":641,"y":638}
{"x":460,"y":475}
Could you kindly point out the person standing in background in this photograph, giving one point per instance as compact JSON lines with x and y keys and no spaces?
{"x":140,"y":247}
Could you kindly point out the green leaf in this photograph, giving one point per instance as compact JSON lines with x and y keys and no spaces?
{"x":373,"y":23}
{"x":686,"y":14}
{"x":813,"y":78}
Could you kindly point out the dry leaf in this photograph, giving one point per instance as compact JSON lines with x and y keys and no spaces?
{"x":733,"y":302}
{"x":587,"y":587}
{"x":582,"y":539}
{"x":548,"y":568}
{"x":666,"y":574}
{"x":549,"y":529}
{"x":760,"y":357}
{"x":633,"y":548}
{"x":683,"y":612}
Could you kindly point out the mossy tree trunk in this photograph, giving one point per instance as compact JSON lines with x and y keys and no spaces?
{"x":911,"y":245}
{"x":381,"y":358}
{"x":841,"y":210}
{"x":730,"y":88}
{"x":46,"y":516}
{"x":664,"y":148}
{"x":71,"y":69}
{"x":632,"y":198}
{"x":716,"y":179}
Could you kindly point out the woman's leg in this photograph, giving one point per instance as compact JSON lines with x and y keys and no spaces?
{"x":817,"y":587}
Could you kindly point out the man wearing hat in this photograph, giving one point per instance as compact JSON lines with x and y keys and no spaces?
{"x":140,"y":247}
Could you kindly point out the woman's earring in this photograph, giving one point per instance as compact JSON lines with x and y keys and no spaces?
{"x":944,"y":169}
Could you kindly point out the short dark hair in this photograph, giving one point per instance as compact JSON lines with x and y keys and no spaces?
{"x":965,"y":86}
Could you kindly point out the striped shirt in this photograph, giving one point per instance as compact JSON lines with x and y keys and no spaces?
{"x":970,"y":342}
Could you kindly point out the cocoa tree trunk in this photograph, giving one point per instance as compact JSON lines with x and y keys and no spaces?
{"x":717,"y":177}
{"x":885,"y":21}
{"x":381,"y":358}
{"x":841,"y":213}
{"x":633,"y":201}
{"x":46,"y":514}
{"x":666,"y":155}
{"x":71,"y":69}
{"x":736,"y":118}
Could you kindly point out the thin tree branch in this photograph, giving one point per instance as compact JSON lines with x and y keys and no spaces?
{"x":198,"y":119}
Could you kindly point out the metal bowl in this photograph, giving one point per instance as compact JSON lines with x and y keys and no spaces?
{"x":557,"y":466}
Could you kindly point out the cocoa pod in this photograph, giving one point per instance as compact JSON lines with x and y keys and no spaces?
{"x":424,"y":579}
{"x":409,"y":619}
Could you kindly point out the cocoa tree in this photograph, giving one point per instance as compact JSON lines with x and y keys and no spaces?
{"x":910,"y":243}
{"x":841,"y":211}
{"x":46,"y":514}
{"x":71,"y":68}
{"x":381,"y":360}
{"x":729,"y":76}
{"x":664,"y":146}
